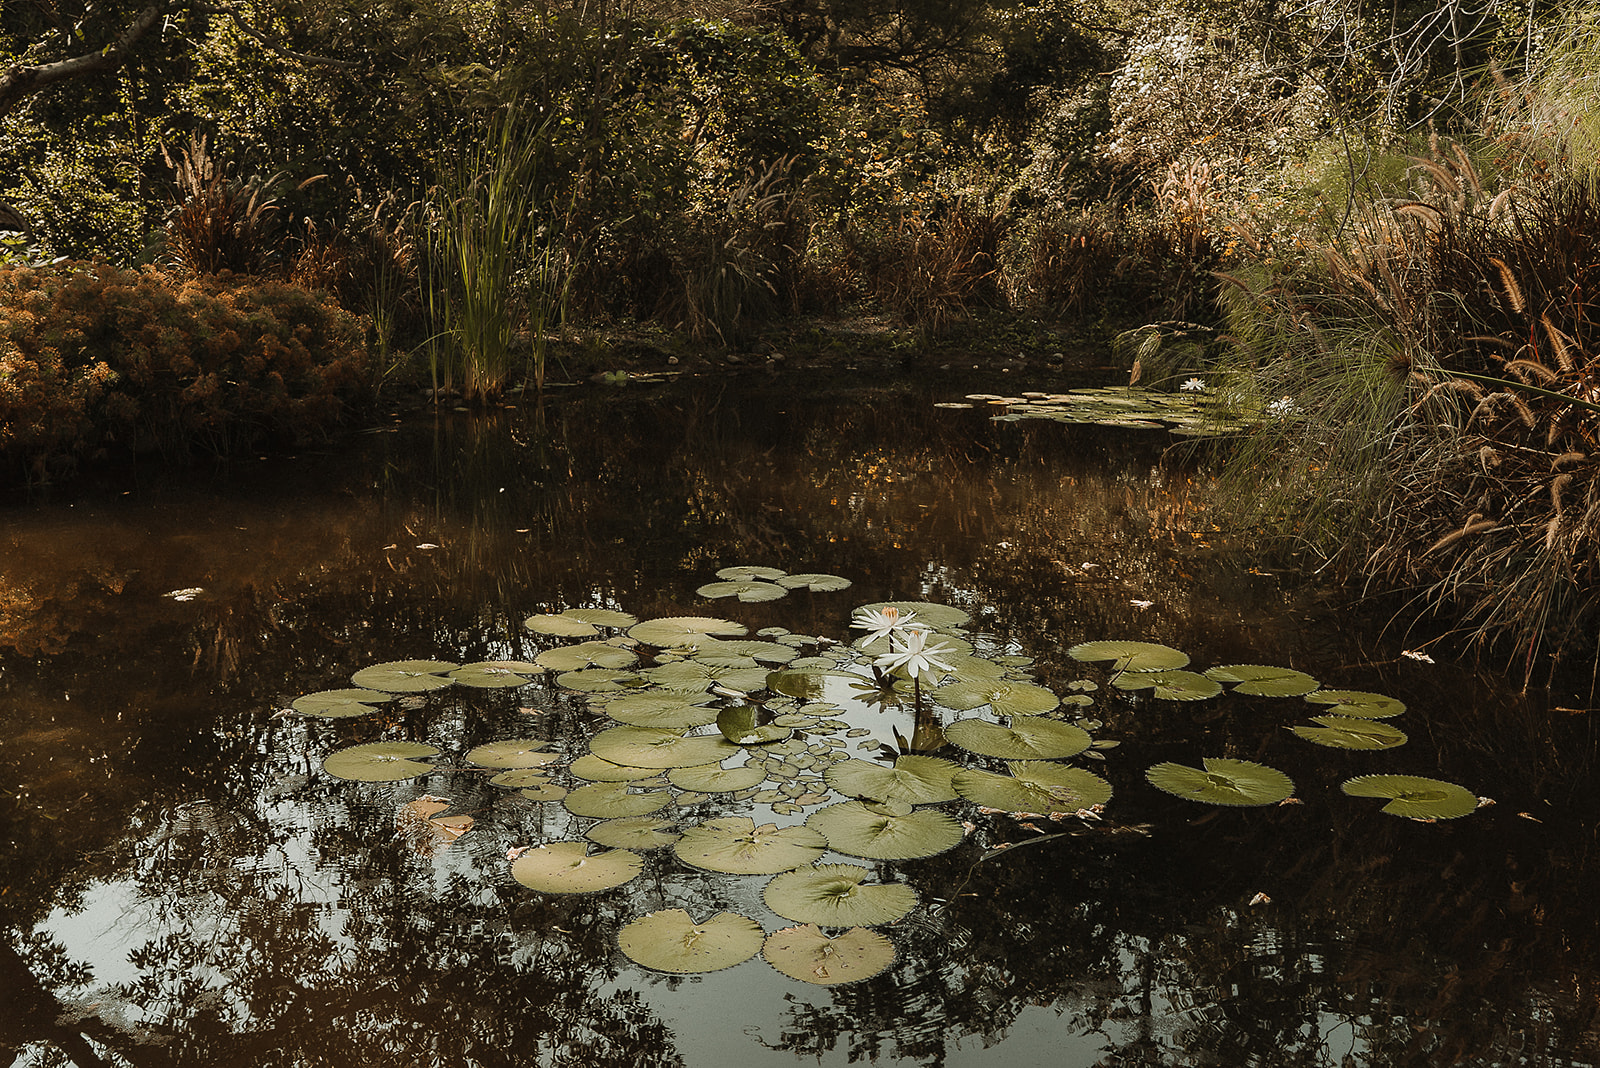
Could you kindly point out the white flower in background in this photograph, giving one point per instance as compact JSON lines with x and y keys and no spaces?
{"x":912,"y":654}
{"x":878,"y":622}
{"x":1194,"y":385}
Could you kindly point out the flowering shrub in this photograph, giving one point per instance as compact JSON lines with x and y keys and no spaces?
{"x":93,"y":358}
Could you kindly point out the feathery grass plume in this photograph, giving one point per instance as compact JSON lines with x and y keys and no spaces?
{"x":1532,"y":371}
{"x":1509,"y":282}
{"x":1568,"y":458}
{"x":1558,"y":342}
{"x":1488,"y":458}
{"x":1557,"y":484}
{"x":1478,"y":526}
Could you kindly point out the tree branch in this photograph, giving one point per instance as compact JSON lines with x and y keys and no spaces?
{"x":23,"y":80}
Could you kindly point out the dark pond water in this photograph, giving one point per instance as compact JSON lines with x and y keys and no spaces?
{"x":183,"y":884}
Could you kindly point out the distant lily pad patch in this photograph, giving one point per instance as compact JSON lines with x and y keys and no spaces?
{"x":1223,"y":782}
{"x":380,"y":761}
{"x":806,"y":954}
{"x":672,"y":941}
{"x":1263,"y":681}
{"x":1357,"y":703}
{"x":1131,"y":656}
{"x":569,"y":868}
{"x":1415,"y":797}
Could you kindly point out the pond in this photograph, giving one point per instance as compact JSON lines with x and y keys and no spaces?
{"x":186,"y":884}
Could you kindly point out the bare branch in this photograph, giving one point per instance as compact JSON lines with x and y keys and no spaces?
{"x":22,"y":81}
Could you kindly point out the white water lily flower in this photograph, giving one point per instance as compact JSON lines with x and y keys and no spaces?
{"x":878,"y":622}
{"x":1194,"y":385}
{"x":911,"y":652}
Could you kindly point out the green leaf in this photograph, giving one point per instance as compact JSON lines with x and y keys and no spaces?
{"x":340,"y":704}
{"x":1264,"y":681}
{"x":608,"y":800}
{"x":647,"y":747}
{"x":689,"y":676}
{"x":1131,"y":656}
{"x":884,"y":832}
{"x":672,"y":630}
{"x":560,"y":626}
{"x":495,"y":674}
{"x":518,"y":778}
{"x":1223,"y":782}
{"x":633,"y":832}
{"x":734,"y":844}
{"x":671,"y":941}
{"x":602,"y":617}
{"x":915,"y":780}
{"x":1352,"y":732}
{"x":748,"y":572}
{"x":1004,"y":698}
{"x":837,"y":895}
{"x":716,"y":779}
{"x":1415,"y":797}
{"x":749,"y":592}
{"x":597,"y":680}
{"x":405,"y":676}
{"x":513,"y":753}
{"x":598,"y":769}
{"x":1357,"y":703}
{"x":663,"y":711}
{"x":1170,"y":685}
{"x":815,"y":583}
{"x":586,"y":655}
{"x":569,"y":868}
{"x":1025,"y":739}
{"x":806,"y":954}
{"x":380,"y":761}
{"x":1038,"y":786}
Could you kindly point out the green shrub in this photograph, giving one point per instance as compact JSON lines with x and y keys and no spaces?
{"x":94,"y":359}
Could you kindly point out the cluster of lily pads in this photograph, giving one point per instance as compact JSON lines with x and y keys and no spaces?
{"x":1190,"y":414}
{"x":1353,"y":720}
{"x":693,"y":712}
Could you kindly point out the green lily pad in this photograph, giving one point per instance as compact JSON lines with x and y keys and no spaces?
{"x":405,"y":676}
{"x":669,"y":631}
{"x":633,"y":832}
{"x":1264,"y":681}
{"x":885,"y":832}
{"x":750,"y":725}
{"x":747,"y":572}
{"x":1169,"y":685}
{"x":664,"y":711}
{"x":671,"y":941}
{"x":513,"y":753}
{"x":717,"y":652}
{"x":933,"y":615}
{"x":1352,"y":732}
{"x":521,"y":778}
{"x":1223,"y":782}
{"x":1415,"y":797}
{"x":586,"y":655}
{"x":340,"y":704}
{"x":716,"y":779}
{"x":805,"y":685}
{"x":1025,"y":739}
{"x":1004,"y":698}
{"x":609,"y":800}
{"x":915,"y":780}
{"x":735,"y":845}
{"x":569,"y":868}
{"x":689,"y":676}
{"x":602,"y":617}
{"x":1039,"y":786}
{"x":598,"y":680}
{"x":837,"y":895}
{"x":560,"y":626}
{"x":649,"y":747}
{"x":380,"y":761}
{"x":750,"y":592}
{"x":544,"y":792}
{"x":495,"y":674}
{"x":815,"y":583}
{"x":599,"y":769}
{"x":1357,"y":703}
{"x":1131,"y":656}
{"x":806,"y":954}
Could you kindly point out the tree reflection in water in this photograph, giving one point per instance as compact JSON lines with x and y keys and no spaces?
{"x":236,"y":906}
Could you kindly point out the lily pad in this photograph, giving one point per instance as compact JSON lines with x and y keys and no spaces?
{"x":735,"y":845}
{"x":815,"y":583}
{"x":1004,"y":698}
{"x":521,"y":778}
{"x":915,"y":780}
{"x":1264,"y":681}
{"x":806,"y":954}
{"x":1040,"y":786}
{"x":669,"y":631}
{"x":633,"y":832}
{"x":586,"y":655}
{"x":718,"y":652}
{"x":599,"y":769}
{"x":748,"y":591}
{"x":598,"y":680}
{"x":926,"y":612}
{"x":746,"y":572}
{"x":560,"y":626}
{"x":716,"y":779}
{"x":884,"y":832}
{"x":1223,"y":782}
{"x":1025,"y":739}
{"x":340,"y":704}
{"x":544,"y":792}
{"x":609,"y":800}
{"x":602,"y":617}
{"x":1415,"y":797}
{"x":671,"y":941}
{"x":689,"y":676}
{"x":405,"y":676}
{"x":1357,"y":703}
{"x":513,"y":753}
{"x":495,"y":674}
{"x":1352,"y":732}
{"x":380,"y":761}
{"x":649,"y":747}
{"x":664,"y":711}
{"x":1170,"y":685}
{"x":805,"y":685}
{"x":750,"y":725}
{"x":837,"y":895}
{"x":1131,"y":656}
{"x":569,"y":868}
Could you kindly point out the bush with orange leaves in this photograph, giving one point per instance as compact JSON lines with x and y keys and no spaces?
{"x":96,"y":360}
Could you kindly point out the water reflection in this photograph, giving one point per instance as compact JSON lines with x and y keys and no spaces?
{"x":184,"y":886}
